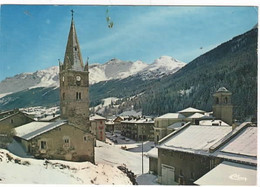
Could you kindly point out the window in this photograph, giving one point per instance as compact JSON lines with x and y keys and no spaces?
{"x":226,"y":100}
{"x":85,"y":138}
{"x":63,"y":95}
{"x":43,"y":144}
{"x":217,"y":100}
{"x":12,"y":121}
{"x":67,"y":141}
{"x":78,"y":95}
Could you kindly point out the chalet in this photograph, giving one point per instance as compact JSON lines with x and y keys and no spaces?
{"x":56,"y":140}
{"x":98,"y":127}
{"x":138,"y":129}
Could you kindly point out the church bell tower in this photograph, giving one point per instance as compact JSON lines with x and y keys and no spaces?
{"x":222,"y":107}
{"x":74,"y":84}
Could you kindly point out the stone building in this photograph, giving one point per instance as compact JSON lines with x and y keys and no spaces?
{"x":183,"y":154}
{"x":74,"y":84}
{"x":117,"y":124}
{"x":193,"y":152}
{"x":56,"y":140}
{"x":98,"y":127}
{"x":68,"y":138}
{"x":13,"y":118}
{"x":138,"y":129}
{"x":222,"y":107}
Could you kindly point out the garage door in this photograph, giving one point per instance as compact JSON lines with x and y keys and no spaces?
{"x":168,"y":174}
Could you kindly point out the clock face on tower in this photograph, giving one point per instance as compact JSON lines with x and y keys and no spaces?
{"x":78,"y":78}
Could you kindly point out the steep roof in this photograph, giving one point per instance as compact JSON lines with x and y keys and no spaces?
{"x":191,"y":110}
{"x":195,"y":139}
{"x":222,"y":89}
{"x":198,"y":116}
{"x":73,"y":59}
{"x":171,"y":116}
{"x":33,"y":129}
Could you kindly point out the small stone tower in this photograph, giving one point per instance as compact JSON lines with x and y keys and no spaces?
{"x":74,"y":84}
{"x":222,"y":107}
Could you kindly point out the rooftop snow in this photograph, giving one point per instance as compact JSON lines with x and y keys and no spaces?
{"x":229,"y":173}
{"x":196,"y":138}
{"x":176,"y":125}
{"x":153,"y":153}
{"x":171,"y":116}
{"x":197,"y":116}
{"x":211,"y":122}
{"x":97,"y":117}
{"x":190,"y":109}
{"x":33,"y":129}
{"x":244,"y":143}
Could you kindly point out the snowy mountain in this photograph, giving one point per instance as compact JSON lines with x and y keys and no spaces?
{"x":113,"y":69}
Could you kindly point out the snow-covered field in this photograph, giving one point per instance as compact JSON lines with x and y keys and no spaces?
{"x":16,"y":170}
{"x":107,"y":157}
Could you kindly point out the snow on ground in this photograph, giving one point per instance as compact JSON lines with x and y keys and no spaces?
{"x":40,"y":111}
{"x":105,"y":102}
{"x":5,"y":94}
{"x":113,"y":155}
{"x":17,"y":170}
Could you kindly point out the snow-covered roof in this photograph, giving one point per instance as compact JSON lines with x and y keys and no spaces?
{"x":97,"y":117}
{"x":153,"y":153}
{"x":222,"y":89}
{"x":139,"y":121}
{"x":110,"y":122}
{"x":176,"y":125}
{"x":191,"y":110}
{"x":195,"y":138}
{"x":33,"y":129}
{"x":197,"y":116}
{"x":171,"y":116}
{"x":50,"y":117}
{"x":242,"y":147}
{"x":229,"y":173}
{"x":211,"y":122}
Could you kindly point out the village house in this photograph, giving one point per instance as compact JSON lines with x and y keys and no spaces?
{"x":110,"y":126}
{"x":13,"y":118}
{"x":117,"y":124}
{"x":98,"y":127}
{"x":56,"y":140}
{"x":190,"y":153}
{"x":138,"y":129}
{"x":238,"y":151}
{"x":183,"y":156}
{"x":69,"y":137}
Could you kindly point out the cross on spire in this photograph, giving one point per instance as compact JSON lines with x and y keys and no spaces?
{"x":72,"y":12}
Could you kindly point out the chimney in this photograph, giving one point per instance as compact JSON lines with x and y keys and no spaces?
{"x":234,"y":125}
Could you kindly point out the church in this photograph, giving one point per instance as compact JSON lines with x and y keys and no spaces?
{"x":69,"y":137}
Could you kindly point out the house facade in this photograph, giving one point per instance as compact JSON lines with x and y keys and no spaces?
{"x":98,"y":127}
{"x":183,"y":156}
{"x":56,"y":140}
{"x":187,"y":155}
{"x":138,"y":129}
{"x":12,"y":119}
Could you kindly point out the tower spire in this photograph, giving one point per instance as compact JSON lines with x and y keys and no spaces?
{"x":72,"y":13}
{"x":73,"y":59}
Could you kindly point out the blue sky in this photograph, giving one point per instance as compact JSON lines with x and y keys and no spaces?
{"x":33,"y":37}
